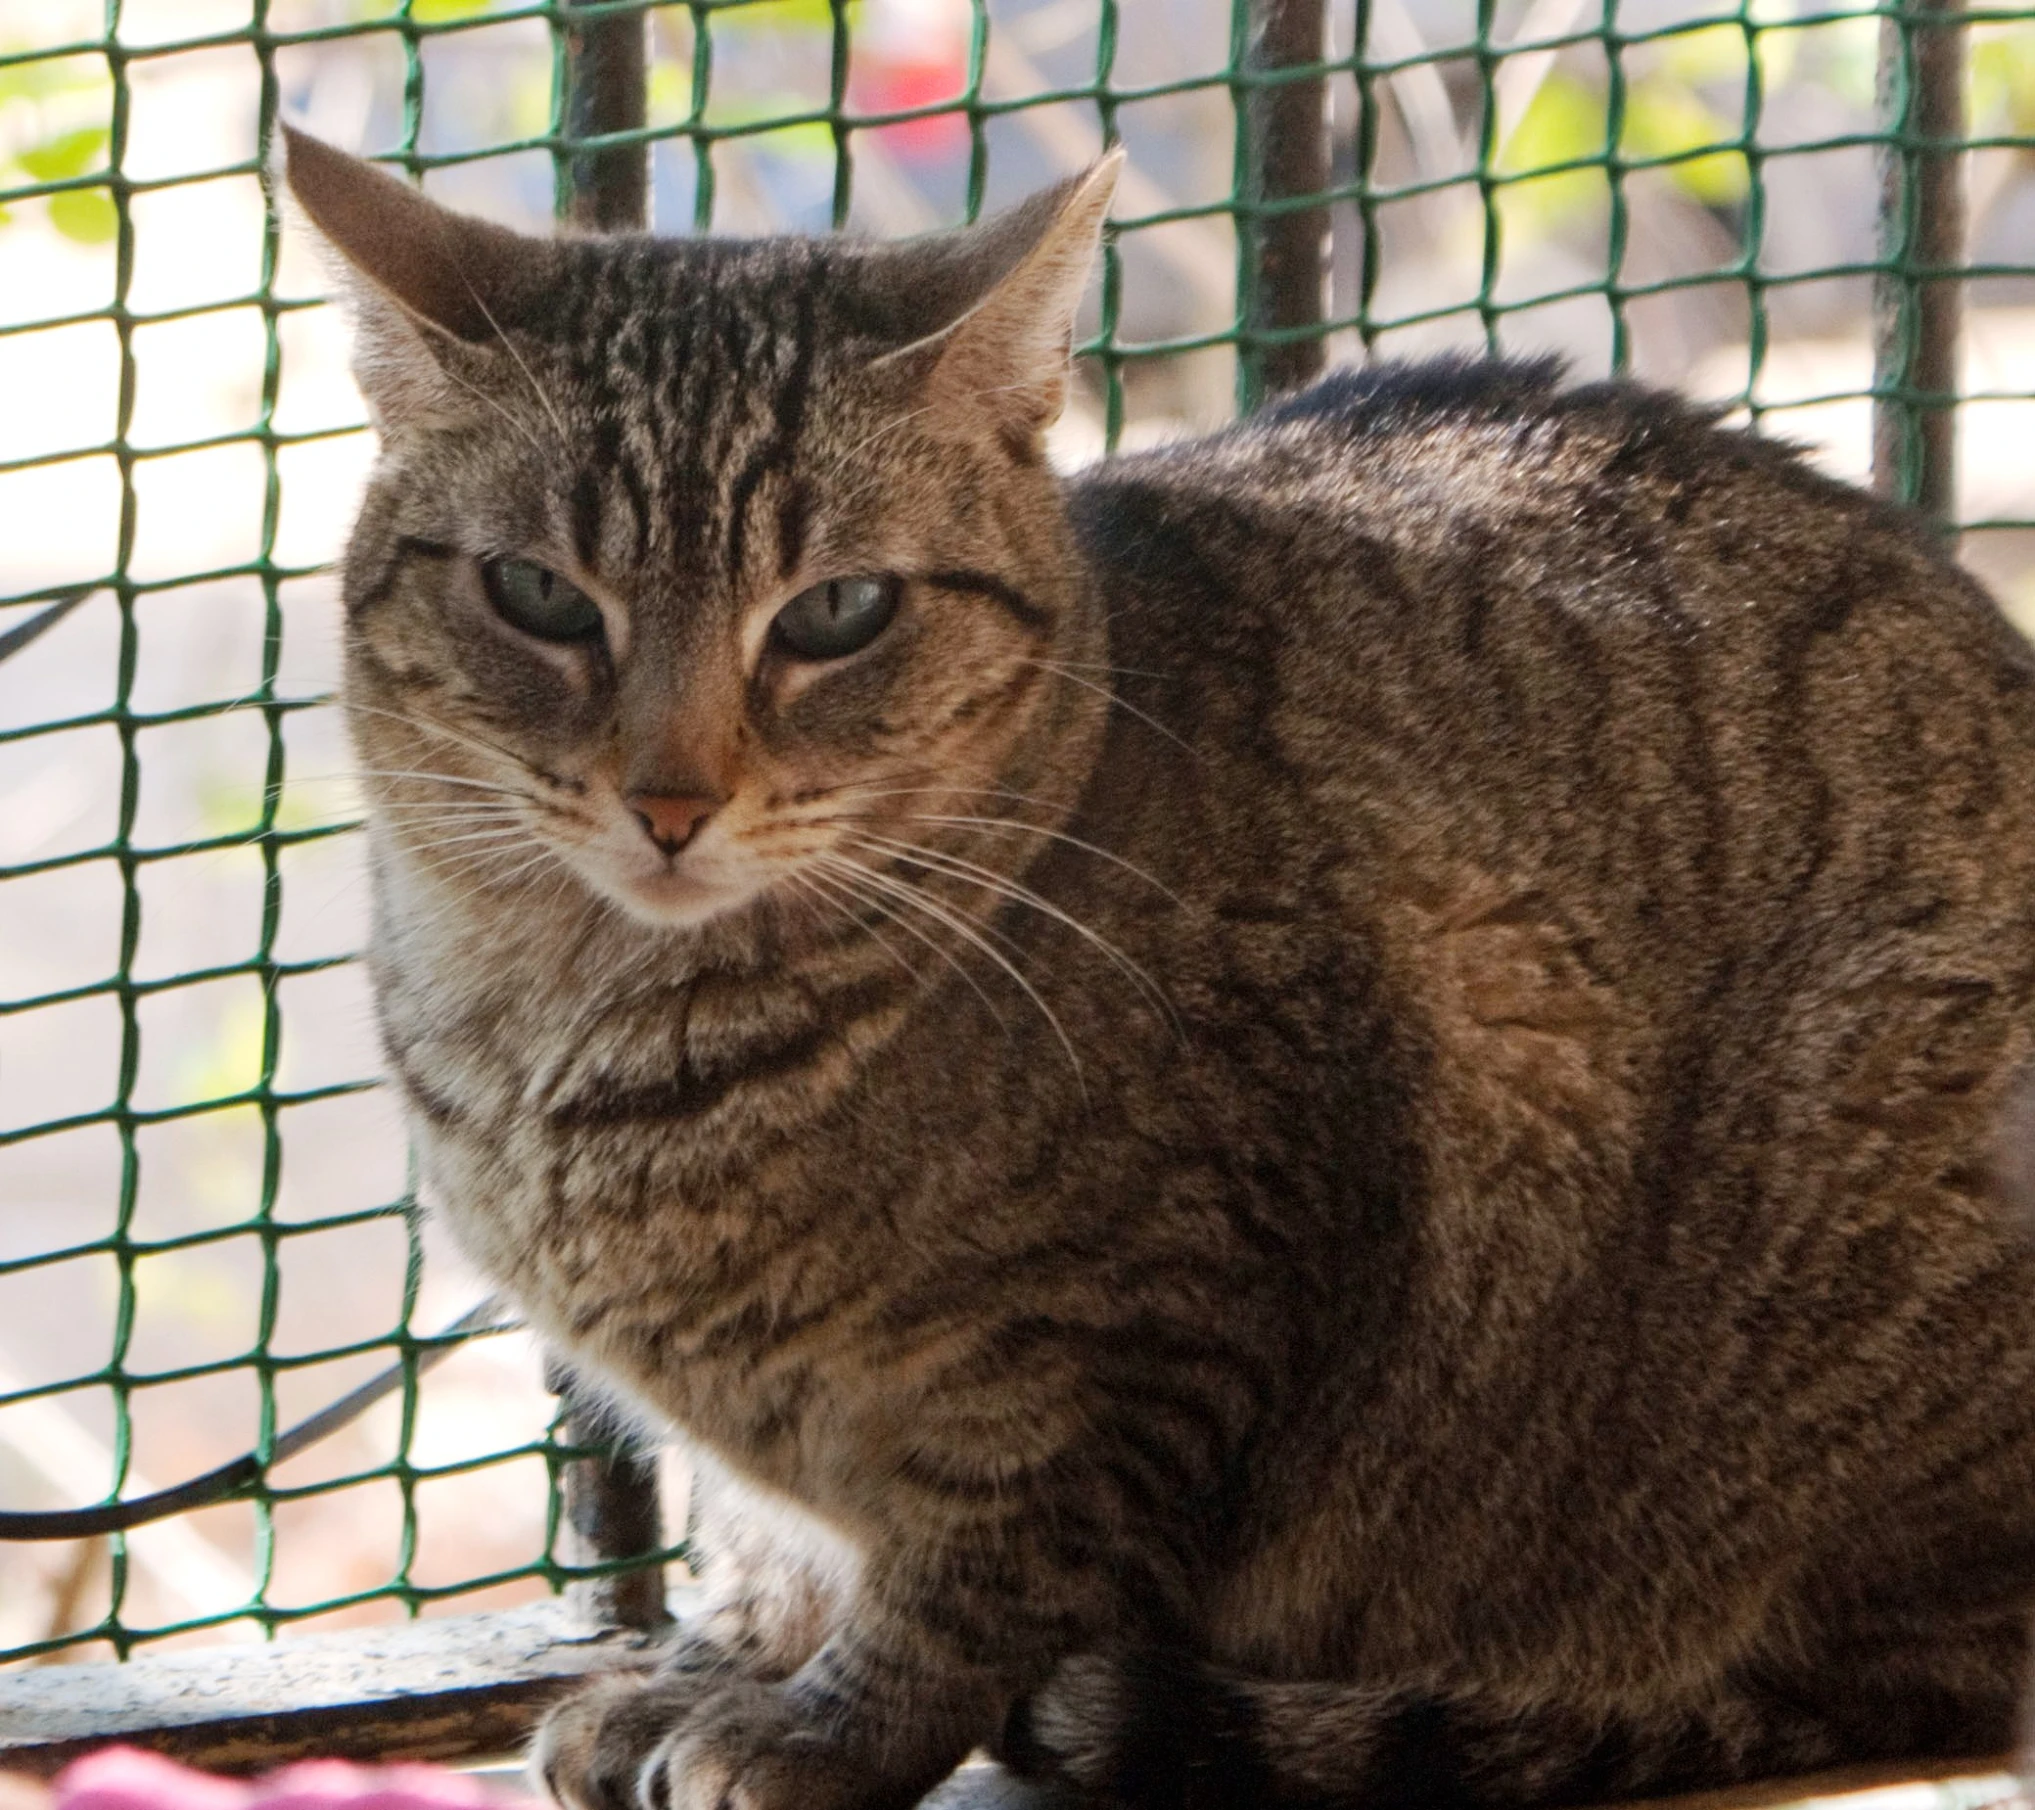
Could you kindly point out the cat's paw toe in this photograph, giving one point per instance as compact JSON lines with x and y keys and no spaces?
{"x":594,"y":1750}
{"x":687,"y":1741}
{"x":749,"y":1749}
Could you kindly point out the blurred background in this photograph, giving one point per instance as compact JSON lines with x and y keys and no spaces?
{"x":202,"y":1233}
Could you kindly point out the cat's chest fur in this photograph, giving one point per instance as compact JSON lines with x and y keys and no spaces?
{"x":738,"y":1202}
{"x":687,"y":1184}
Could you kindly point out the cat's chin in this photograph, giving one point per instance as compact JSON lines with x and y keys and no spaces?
{"x":672,"y":901}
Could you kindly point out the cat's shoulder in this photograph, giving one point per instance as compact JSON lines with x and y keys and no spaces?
{"x":1393,"y":396}
{"x":1426,"y":455}
{"x":1472,"y":418}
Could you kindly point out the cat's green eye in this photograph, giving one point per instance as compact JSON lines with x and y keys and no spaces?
{"x":837,"y":618}
{"x":537,"y":601}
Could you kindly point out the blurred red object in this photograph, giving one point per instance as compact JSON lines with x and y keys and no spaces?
{"x":125,"y":1778}
{"x":897,"y":83}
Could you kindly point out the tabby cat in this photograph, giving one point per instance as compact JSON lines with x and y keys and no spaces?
{"x":1305,"y":1121}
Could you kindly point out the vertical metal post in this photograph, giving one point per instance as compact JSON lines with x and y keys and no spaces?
{"x":608,"y":189}
{"x":1284,"y":147}
{"x":1918,"y":313}
{"x":612,"y":1514}
{"x":611,"y":1509}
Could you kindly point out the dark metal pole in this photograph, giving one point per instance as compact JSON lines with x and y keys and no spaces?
{"x":1917,"y":316}
{"x":612,"y":1514}
{"x":1285,"y":156}
{"x":604,"y":190}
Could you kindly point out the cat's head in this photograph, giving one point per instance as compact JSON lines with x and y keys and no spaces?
{"x":699,"y":570}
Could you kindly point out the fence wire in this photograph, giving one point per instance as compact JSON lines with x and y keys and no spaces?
{"x":1822,"y":217}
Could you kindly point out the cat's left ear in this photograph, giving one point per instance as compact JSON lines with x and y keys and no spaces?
{"x":1006,"y":360}
{"x":422,"y":280}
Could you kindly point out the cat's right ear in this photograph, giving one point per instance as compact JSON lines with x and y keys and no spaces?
{"x":422,"y":281}
{"x":1004,"y":362}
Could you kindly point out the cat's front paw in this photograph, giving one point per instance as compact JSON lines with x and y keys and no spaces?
{"x":751,"y":1749}
{"x":590,"y":1751}
{"x":698,"y":1742}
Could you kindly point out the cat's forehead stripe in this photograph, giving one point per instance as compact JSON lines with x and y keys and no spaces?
{"x":690,"y":363}
{"x":775,"y":450}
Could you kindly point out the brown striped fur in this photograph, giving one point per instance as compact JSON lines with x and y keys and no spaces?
{"x":1321,"y":1137}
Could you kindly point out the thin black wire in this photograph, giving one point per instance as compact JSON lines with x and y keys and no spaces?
{"x":23,"y":633}
{"x":240,"y":1475}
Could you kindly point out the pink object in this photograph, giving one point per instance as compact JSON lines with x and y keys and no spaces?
{"x":125,"y":1778}
{"x":336,"y":1785}
{"x":893,"y":85}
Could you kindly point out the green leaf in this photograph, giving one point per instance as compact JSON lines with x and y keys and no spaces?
{"x":1710,"y":53}
{"x":767,"y":15}
{"x":443,"y":12}
{"x":809,"y":138}
{"x":228,"y":804}
{"x":1849,"y":57}
{"x":1665,"y":119}
{"x":2003,"y":79}
{"x":231,"y":1059}
{"x":22,"y":81}
{"x":1775,"y":46}
{"x":85,"y":215}
{"x":670,"y":95}
{"x":46,"y":76}
{"x":1563,"y":123}
{"x":67,"y":154}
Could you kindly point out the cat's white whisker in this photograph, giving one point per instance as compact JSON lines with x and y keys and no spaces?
{"x":1039,"y":829}
{"x":413,"y":811}
{"x":838,"y":468}
{"x":815,"y":910}
{"x":464,"y":738}
{"x":847,"y":876}
{"x":497,"y":833}
{"x":864,"y":792}
{"x":972,"y":931}
{"x":480,"y":395}
{"x":444,"y":779}
{"x":811,"y":885}
{"x":522,"y":364}
{"x":1120,"y":672}
{"x":463,"y":805}
{"x":1103,"y":691}
{"x":1001,"y":884}
{"x":491,"y":875}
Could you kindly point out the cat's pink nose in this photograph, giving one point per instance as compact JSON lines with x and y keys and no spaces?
{"x":670,"y":822}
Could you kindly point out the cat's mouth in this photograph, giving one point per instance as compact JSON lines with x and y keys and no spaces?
{"x":675,"y":892}
{"x":676,"y":897}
